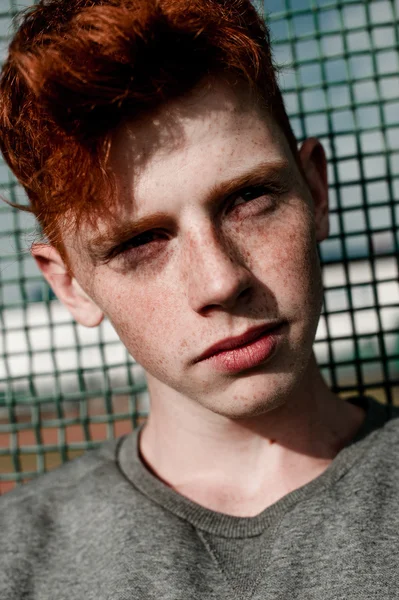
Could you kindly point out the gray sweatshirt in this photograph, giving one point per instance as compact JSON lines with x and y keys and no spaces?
{"x":103,"y":527}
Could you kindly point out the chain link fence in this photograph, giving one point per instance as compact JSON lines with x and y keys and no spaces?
{"x":64,"y":388}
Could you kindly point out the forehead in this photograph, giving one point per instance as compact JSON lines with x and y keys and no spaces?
{"x":172,"y":159}
{"x":211,"y":133}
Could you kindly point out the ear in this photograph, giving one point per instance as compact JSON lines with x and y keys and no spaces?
{"x":65,"y":286}
{"x":314,"y":165}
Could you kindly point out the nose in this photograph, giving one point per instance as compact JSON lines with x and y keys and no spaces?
{"x":216,"y":277}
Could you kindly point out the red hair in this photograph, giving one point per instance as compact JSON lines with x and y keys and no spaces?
{"x":77,"y":68}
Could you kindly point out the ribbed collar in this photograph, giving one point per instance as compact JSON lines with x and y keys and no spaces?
{"x":132,"y":466}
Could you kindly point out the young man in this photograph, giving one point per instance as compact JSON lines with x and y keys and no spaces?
{"x":153,"y":143}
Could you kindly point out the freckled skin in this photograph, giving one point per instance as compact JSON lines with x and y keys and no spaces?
{"x":214,"y":277}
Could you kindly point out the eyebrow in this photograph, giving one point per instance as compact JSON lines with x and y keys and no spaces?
{"x":101,"y":245}
{"x":279,"y":173}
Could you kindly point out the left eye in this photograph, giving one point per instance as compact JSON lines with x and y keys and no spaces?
{"x":248,"y":194}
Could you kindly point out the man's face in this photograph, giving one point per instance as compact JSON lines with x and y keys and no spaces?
{"x":218,"y":238}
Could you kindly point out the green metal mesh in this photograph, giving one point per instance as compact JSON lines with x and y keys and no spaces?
{"x":64,"y":388}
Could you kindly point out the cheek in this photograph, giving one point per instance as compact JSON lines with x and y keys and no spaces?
{"x":283,"y":255}
{"x":140,"y":314}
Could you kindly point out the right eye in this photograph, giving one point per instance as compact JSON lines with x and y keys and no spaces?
{"x":141,"y":240}
{"x":140,"y":248}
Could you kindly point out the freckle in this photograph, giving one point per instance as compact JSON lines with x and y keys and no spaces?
{"x":272,"y":442}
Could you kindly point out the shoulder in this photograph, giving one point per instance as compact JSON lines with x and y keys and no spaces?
{"x":388,"y":437}
{"x":379,"y":454}
{"x":34,"y":513}
{"x":48,"y":523}
{"x":91,"y":469}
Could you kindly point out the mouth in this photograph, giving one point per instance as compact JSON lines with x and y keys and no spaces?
{"x":245,"y":351}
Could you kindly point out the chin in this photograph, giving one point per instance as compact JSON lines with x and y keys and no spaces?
{"x":259,"y":391}
{"x":252,"y":396}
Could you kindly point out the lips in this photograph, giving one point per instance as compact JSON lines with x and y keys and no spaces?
{"x":241,"y":341}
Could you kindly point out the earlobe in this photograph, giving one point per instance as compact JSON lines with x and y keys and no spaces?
{"x":64,"y":285}
{"x":314,"y":166}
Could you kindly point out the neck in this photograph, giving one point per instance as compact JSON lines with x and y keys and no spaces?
{"x":240,"y":467}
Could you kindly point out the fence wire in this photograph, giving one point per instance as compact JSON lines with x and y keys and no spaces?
{"x":64,"y":388}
